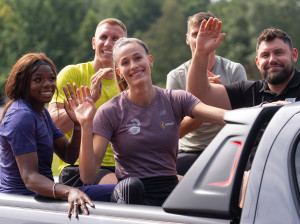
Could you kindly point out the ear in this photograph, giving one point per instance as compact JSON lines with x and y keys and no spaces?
{"x":93,"y":43}
{"x":151,"y":60}
{"x":119,"y":73}
{"x":294,"y":55}
{"x":257,"y":62}
{"x":187,"y":40}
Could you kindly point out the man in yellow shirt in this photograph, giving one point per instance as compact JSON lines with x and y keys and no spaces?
{"x":94,"y":74}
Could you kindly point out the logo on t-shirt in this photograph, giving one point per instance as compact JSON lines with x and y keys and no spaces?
{"x":164,"y":125}
{"x":134,"y":126}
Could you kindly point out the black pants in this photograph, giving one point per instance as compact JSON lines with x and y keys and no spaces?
{"x":70,"y":175}
{"x":147,"y":191}
{"x":185,"y":160}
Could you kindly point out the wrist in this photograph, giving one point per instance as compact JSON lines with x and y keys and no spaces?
{"x":76,"y":127}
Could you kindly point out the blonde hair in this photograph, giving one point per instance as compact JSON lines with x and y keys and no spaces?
{"x":113,"y":22}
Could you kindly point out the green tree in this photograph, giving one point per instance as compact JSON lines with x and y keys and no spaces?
{"x":136,"y":14}
{"x":166,"y":41}
{"x":243,"y":21}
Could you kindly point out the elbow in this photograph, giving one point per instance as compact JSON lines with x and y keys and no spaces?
{"x":87,"y":179}
{"x":30,"y":182}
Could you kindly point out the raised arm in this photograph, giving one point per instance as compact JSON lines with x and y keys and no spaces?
{"x":92,"y":148}
{"x":57,"y":110}
{"x":68,"y":149}
{"x":208,"y":39}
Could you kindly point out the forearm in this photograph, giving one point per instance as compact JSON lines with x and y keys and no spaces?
{"x":188,"y":125}
{"x":197,"y":78}
{"x":73,"y":145}
{"x":209,"y":114}
{"x":44,"y":186}
{"x":60,"y":117}
{"x":87,"y":160}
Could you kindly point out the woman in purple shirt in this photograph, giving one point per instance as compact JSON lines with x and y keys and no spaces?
{"x":28,"y":137}
{"x":142,"y":124}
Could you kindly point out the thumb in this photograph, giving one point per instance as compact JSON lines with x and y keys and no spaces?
{"x":219,"y":39}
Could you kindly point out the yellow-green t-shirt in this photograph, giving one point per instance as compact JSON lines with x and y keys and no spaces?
{"x":81,"y":74}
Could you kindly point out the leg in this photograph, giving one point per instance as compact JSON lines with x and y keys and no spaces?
{"x":185,"y":160}
{"x":98,"y":192}
{"x":129,"y":191}
{"x":109,"y":178}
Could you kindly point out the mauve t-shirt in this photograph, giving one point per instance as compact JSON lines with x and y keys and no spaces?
{"x":144,"y":137}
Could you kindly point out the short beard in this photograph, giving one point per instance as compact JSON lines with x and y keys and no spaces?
{"x":279,"y":78}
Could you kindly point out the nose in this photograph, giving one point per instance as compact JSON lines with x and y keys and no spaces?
{"x":109,"y":42}
{"x":272,"y":58}
{"x":47,"y":83}
{"x":133,"y":65}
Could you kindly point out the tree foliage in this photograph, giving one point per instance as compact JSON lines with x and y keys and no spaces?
{"x":63,"y":29}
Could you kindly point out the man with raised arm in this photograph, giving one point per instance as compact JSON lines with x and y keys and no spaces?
{"x":194,"y":134}
{"x":93,"y":74}
{"x":275,"y":59}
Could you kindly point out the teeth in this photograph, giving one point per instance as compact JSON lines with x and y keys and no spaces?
{"x":47,"y":93}
{"x":136,"y":74}
{"x":107,"y":52}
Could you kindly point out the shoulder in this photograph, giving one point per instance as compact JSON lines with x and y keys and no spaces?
{"x":228,"y":63}
{"x":76,"y":68}
{"x":172,"y":93}
{"x":244,"y":85}
{"x":19,"y":115}
{"x":181,"y":70}
{"x":176,"y":78}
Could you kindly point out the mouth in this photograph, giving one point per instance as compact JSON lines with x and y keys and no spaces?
{"x":137,"y":73}
{"x":273,"y":67}
{"x":107,"y":52}
{"x":47,"y":93}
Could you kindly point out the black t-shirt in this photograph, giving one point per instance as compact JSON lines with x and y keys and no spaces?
{"x":252,"y":93}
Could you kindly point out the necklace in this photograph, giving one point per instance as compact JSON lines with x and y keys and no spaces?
{"x":107,"y":86}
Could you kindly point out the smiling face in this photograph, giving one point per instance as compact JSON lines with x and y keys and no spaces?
{"x":105,"y":37}
{"x":42,"y":86}
{"x":275,"y":61}
{"x":134,"y":64}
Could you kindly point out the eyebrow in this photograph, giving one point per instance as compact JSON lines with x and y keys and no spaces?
{"x":137,"y":53}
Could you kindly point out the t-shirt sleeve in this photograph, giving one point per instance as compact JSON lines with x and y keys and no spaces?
{"x":239,"y":73}
{"x":172,"y":82}
{"x":68,"y":74}
{"x":21,"y":133}
{"x":236,"y":92}
{"x":102,"y":123}
{"x":183,"y":102}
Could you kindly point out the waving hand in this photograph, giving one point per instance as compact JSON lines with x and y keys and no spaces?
{"x":209,"y":36}
{"x":83,"y":106}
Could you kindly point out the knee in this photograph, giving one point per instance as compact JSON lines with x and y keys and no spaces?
{"x":129,"y":191}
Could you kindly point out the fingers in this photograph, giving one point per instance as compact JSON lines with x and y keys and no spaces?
{"x":70,"y":211}
{"x":84,"y":208}
{"x":213,"y":24}
{"x":88,"y":93}
{"x":75,"y":204}
{"x":83,"y":93}
{"x":89,"y":201}
{"x":79,"y":96}
{"x":70,"y":94}
{"x":71,"y":90}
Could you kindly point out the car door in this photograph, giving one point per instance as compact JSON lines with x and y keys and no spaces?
{"x":272,"y":194}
